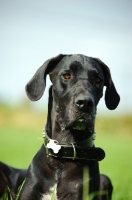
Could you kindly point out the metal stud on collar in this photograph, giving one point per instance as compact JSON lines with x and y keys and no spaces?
{"x":50,"y":143}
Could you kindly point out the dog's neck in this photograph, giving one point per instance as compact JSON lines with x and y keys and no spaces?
{"x":56,"y":132}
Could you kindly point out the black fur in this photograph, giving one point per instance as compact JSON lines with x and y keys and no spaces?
{"x":11,"y":178}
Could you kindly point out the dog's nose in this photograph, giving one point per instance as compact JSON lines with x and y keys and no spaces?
{"x":84,"y":102}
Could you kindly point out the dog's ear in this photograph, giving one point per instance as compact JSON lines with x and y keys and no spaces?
{"x":112,"y":98}
{"x":36,"y":86}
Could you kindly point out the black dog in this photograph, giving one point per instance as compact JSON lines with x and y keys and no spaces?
{"x":68,"y":148}
{"x":11,"y":178}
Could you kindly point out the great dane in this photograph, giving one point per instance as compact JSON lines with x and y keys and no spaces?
{"x":57,"y":170}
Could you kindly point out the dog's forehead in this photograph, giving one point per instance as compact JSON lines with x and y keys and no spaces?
{"x":83,"y":62}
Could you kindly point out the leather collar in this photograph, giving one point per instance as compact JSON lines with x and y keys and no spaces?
{"x":84,"y":150}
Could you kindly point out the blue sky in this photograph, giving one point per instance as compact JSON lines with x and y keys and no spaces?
{"x":34,"y":31}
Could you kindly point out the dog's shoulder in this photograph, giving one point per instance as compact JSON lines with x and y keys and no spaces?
{"x":43,"y":162}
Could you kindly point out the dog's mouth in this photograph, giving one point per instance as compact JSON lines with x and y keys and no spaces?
{"x":82,"y":123}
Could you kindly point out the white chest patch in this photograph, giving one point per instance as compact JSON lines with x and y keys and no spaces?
{"x":52,"y":194}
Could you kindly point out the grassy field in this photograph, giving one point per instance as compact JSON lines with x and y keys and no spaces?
{"x":21,"y":137}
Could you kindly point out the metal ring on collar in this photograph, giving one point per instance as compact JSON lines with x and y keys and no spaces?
{"x":74,"y":151}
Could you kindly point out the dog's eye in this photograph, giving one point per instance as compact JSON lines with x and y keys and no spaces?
{"x":97,"y":80}
{"x":67,"y":76}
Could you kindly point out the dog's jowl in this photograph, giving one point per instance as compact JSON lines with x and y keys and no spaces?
{"x":57,"y":170}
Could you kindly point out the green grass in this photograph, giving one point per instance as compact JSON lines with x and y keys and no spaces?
{"x":20,"y":130}
{"x":115,"y":137}
{"x":117,"y":164}
{"x":19,"y":145}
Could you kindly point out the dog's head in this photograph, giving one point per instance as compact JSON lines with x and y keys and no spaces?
{"x":78,"y":83}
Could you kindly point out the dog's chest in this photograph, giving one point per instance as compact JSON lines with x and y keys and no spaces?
{"x":52,"y":194}
{"x":67,"y":182}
